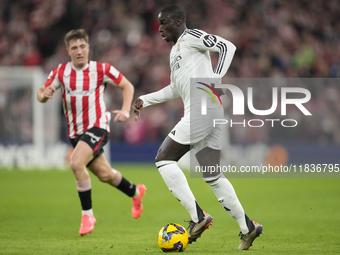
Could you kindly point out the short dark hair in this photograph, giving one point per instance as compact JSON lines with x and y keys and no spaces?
{"x":175,"y":11}
{"x":74,"y":35}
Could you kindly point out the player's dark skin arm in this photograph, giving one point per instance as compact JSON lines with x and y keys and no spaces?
{"x":137,"y":108}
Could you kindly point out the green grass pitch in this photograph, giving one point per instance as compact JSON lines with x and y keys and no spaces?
{"x":40,"y":214}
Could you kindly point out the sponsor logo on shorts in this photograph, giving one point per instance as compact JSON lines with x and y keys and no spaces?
{"x":94,"y":138}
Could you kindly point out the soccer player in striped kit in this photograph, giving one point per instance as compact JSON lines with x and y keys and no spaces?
{"x":189,"y":58}
{"x":83,"y":83}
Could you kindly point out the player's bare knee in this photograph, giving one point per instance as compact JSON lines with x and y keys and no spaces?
{"x":76,"y":164}
{"x":165,"y":155}
{"x":159,"y":156}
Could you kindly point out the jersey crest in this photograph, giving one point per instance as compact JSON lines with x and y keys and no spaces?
{"x":178,"y":47}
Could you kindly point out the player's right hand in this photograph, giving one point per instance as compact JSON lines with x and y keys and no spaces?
{"x":48,"y":92}
{"x":137,"y":108}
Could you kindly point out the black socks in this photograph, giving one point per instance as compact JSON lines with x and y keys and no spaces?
{"x":250,"y":224}
{"x":127,"y":187}
{"x":85,"y":199}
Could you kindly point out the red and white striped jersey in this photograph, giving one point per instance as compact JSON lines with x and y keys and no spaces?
{"x":83,"y":94}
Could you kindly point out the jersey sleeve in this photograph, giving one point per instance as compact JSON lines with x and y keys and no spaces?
{"x":207,"y":42}
{"x":160,"y":96}
{"x":52,"y":79}
{"x":112,"y":75}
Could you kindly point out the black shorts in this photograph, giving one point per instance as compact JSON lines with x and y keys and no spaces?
{"x":96,"y":138}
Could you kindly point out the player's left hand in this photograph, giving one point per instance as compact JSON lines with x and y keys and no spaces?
{"x":121,"y":115}
{"x":137,"y":108}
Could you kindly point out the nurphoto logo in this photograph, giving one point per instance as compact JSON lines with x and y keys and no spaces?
{"x":238,"y":106}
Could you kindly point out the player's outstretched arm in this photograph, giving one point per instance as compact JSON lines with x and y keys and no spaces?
{"x":128,"y":91}
{"x":45,"y":93}
{"x":137,"y":108}
{"x":160,"y":96}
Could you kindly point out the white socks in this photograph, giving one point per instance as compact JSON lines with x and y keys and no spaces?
{"x":224,"y":191}
{"x":88,"y":212}
{"x":136,"y":193}
{"x":178,"y":185}
{"x":226,"y":195}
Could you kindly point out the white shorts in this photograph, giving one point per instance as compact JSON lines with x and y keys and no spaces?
{"x":199,"y":131}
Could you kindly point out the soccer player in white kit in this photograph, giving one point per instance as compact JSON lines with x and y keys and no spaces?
{"x":189,"y":58}
{"x":83,"y":83}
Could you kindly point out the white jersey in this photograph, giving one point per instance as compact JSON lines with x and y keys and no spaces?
{"x":83,"y":94}
{"x":190,"y":58}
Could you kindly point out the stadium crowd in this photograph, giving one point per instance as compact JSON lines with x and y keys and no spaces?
{"x":274,"y":39}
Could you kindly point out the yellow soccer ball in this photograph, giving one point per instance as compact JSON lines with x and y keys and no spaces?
{"x":173,"y":238}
